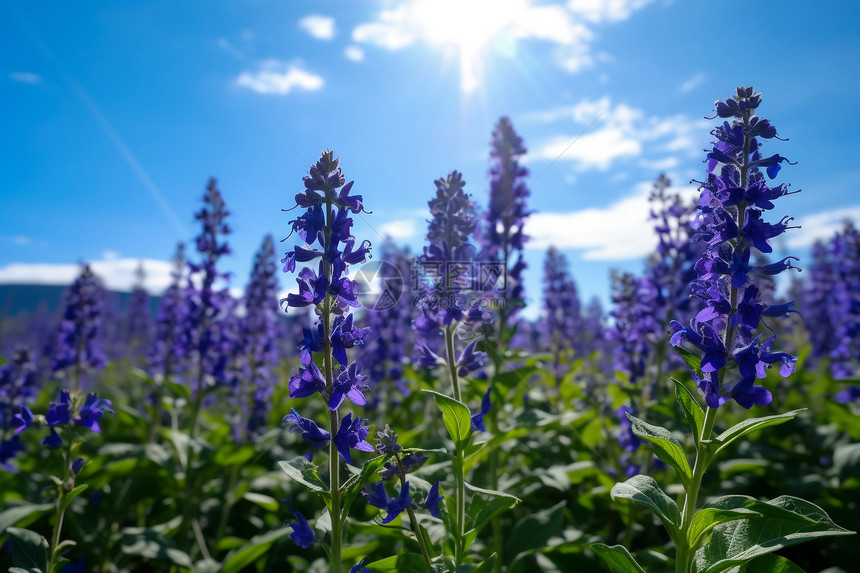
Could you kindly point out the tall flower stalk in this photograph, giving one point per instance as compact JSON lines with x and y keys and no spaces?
{"x":727,"y":334}
{"x":325,"y":227}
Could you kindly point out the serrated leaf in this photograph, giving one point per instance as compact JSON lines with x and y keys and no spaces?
{"x":644,"y":491}
{"x":253,"y":550}
{"x":456,"y":417}
{"x":665,"y":446}
{"x":29,"y":549}
{"x":617,"y":558}
{"x":305,"y":473}
{"x":751,"y":425}
{"x":693,"y":412}
{"x":788,"y":521}
{"x":23,"y":515}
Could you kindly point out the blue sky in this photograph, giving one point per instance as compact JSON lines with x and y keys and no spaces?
{"x":116,"y":114}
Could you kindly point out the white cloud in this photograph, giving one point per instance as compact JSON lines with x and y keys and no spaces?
{"x":319,"y":27}
{"x":620,"y":231}
{"x":475,"y":27}
{"x":820,"y":226}
{"x":279,"y":78}
{"x":600,"y":11}
{"x":693,"y":82}
{"x":115,"y":274}
{"x":616,"y":132}
{"x":354,"y":53}
{"x":400,"y":229}
{"x":25,"y":77}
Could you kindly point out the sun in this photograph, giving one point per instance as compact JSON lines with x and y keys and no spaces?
{"x":469,"y":26}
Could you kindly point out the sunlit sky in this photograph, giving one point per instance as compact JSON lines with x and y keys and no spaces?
{"x":115,"y":115}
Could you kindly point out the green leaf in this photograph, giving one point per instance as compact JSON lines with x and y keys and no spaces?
{"x":785,"y":521}
{"x":487,"y":565}
{"x":23,"y":515}
{"x":405,"y":562}
{"x":267,"y":502}
{"x":644,"y":491}
{"x":751,"y":425}
{"x":352,"y":487}
{"x":29,"y":550}
{"x":485,"y":505}
{"x":456,"y":417}
{"x":153,"y":545}
{"x":693,"y":412}
{"x":256,"y":547}
{"x":180,"y":390}
{"x":234,"y":455}
{"x":301,"y":470}
{"x":693,"y":362}
{"x":770,"y":564}
{"x":617,"y":558}
{"x":69,"y":496}
{"x":535,"y":530}
{"x":709,"y":517}
{"x":665,"y":446}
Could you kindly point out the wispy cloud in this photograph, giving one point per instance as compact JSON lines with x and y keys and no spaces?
{"x":615,"y":132}
{"x":116,"y":274}
{"x":820,"y":226}
{"x":354,"y":53}
{"x":472,"y":26}
{"x":400,"y":229}
{"x":619,"y":231}
{"x":279,"y":78}
{"x":693,"y":82}
{"x":25,"y":77}
{"x":318,"y":26}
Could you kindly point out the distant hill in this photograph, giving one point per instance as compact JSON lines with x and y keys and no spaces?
{"x":25,"y":299}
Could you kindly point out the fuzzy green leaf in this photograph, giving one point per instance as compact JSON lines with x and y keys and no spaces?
{"x":456,"y":417}
{"x":751,"y":425}
{"x":617,"y":558}
{"x":644,"y":491}
{"x":304,"y":472}
{"x":665,"y":446}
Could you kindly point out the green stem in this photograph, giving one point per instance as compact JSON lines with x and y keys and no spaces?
{"x":61,"y":492}
{"x":230,"y":499}
{"x":413,"y":521}
{"x":459,"y":461}
{"x":334,"y":418}
{"x":683,"y":557}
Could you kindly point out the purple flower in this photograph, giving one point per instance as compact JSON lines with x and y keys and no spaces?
{"x":470,"y":360}
{"x":377,"y":497}
{"x":352,"y":434}
{"x":302,"y":534}
{"x":77,"y":341}
{"x":77,"y":465}
{"x":349,"y":384}
{"x":307,"y":382}
{"x":732,"y":205}
{"x":59,"y":413}
{"x":359,"y":567}
{"x":626,"y":438}
{"x":312,"y":434}
{"x":431,"y":504}
{"x":92,"y":411}
{"x":478,"y":419}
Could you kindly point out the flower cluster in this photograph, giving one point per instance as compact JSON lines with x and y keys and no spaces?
{"x":502,"y":238}
{"x":170,"y":344}
{"x":66,"y":412}
{"x":208,"y":337}
{"x":635,"y":324}
{"x":732,"y":205}
{"x":17,"y":386}
{"x":258,"y":329}
{"x":560,"y":323}
{"x":448,"y":264}
{"x":138,"y":315}
{"x":325,"y":226}
{"x":77,"y":344}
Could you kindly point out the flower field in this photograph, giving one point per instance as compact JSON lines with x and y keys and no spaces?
{"x":399,"y":411}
